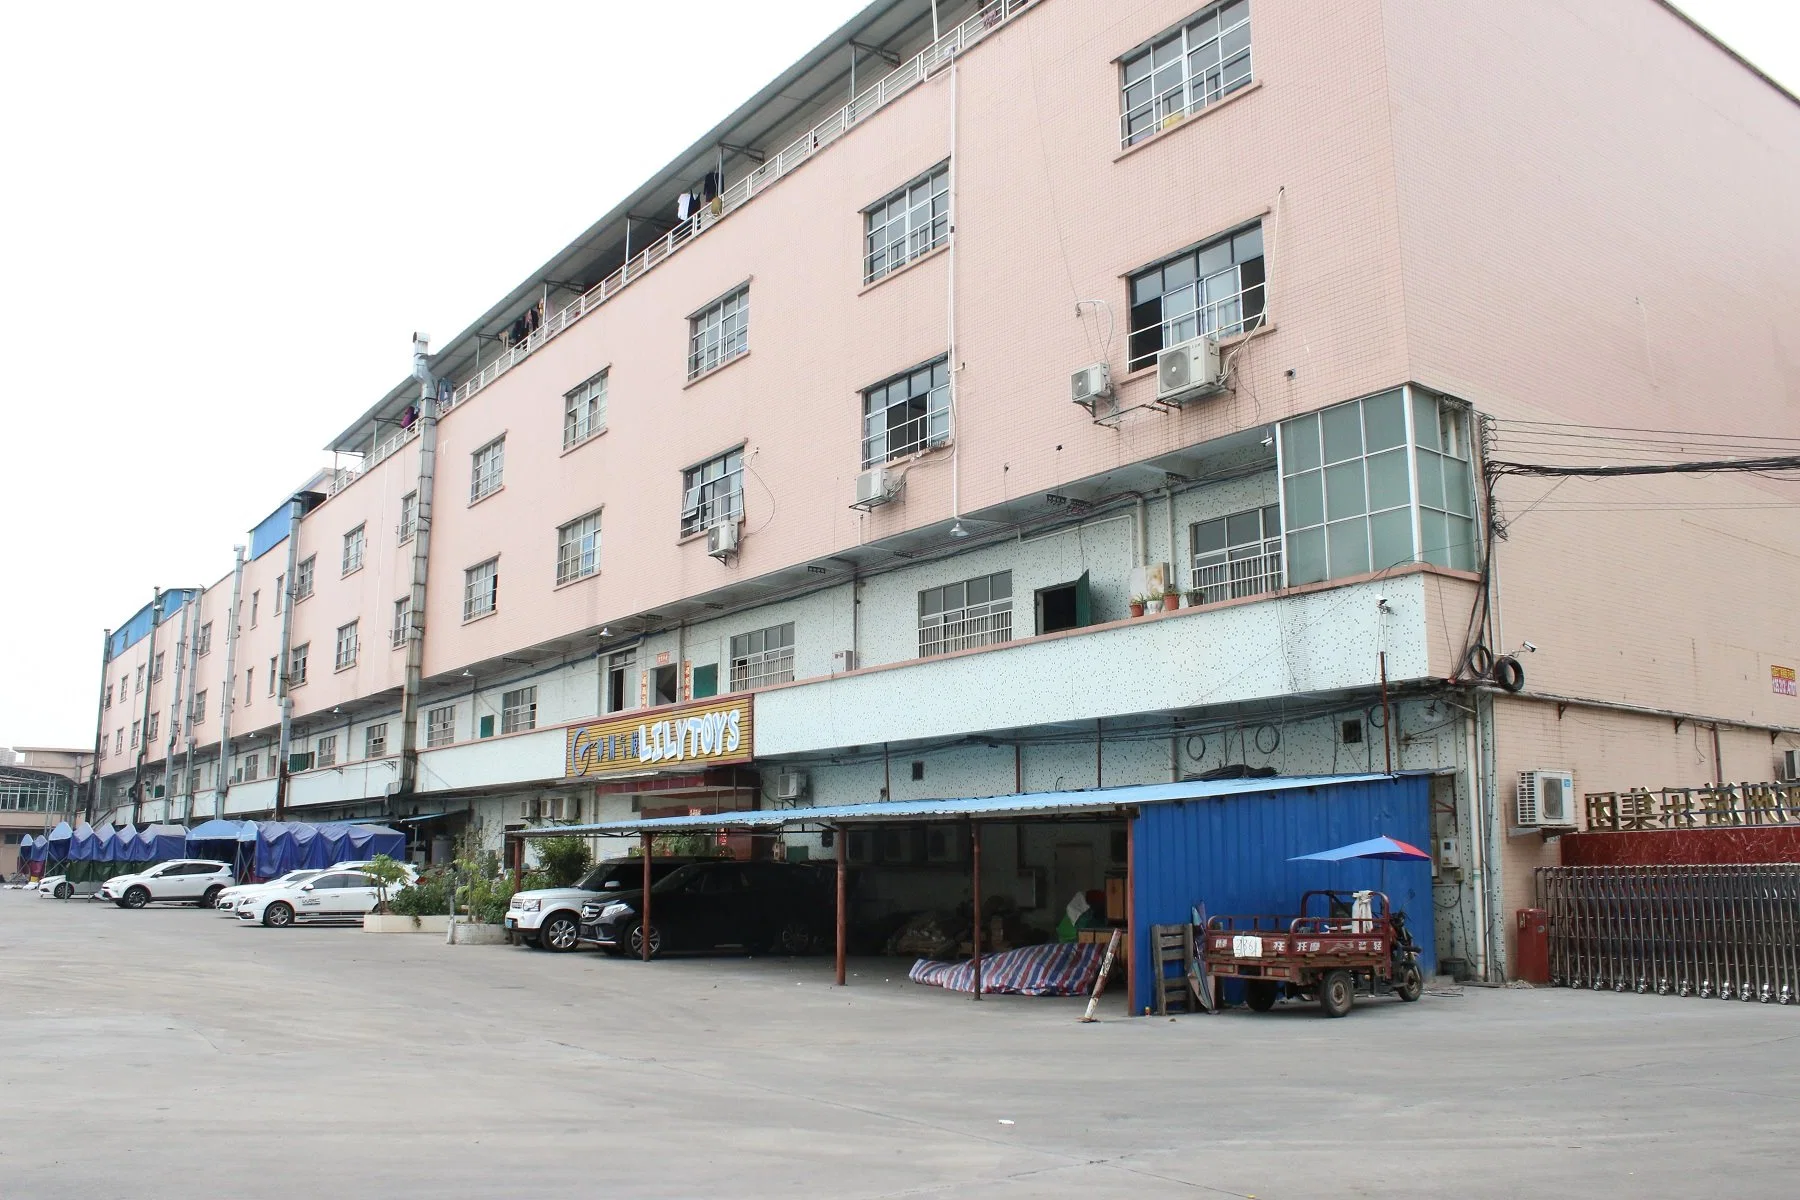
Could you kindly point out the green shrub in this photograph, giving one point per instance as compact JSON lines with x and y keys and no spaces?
{"x":429,"y":897}
{"x":564,"y":859}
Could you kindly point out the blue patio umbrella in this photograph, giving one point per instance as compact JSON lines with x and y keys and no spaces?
{"x":1383,"y":849}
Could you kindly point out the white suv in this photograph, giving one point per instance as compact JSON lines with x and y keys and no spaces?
{"x":551,"y":917}
{"x":184,"y":880}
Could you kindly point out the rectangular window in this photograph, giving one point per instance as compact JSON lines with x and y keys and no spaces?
{"x":107,"y":697}
{"x":135,"y":727}
{"x":518,"y":710}
{"x":375,"y":741}
{"x":584,"y":411}
{"x":578,"y":549}
{"x":763,"y":657}
{"x":249,"y":683}
{"x":1235,"y":556}
{"x":719,"y":332}
{"x":297,"y":665}
{"x":409,"y":517}
{"x":140,"y":677}
{"x":487,"y":467}
{"x":907,"y":414}
{"x":1185,"y":69}
{"x":156,"y":668}
{"x":706,"y":681}
{"x":1446,"y":481}
{"x":713,"y":492}
{"x":665,"y":685}
{"x":959,"y":616}
{"x":274,"y":672}
{"x":150,"y":729}
{"x":280,"y":591}
{"x":347,"y":644}
{"x":353,"y":550}
{"x":620,"y":667}
{"x":1216,"y":289}
{"x":203,"y":642}
{"x":402,"y":622}
{"x":481,"y":589}
{"x":1347,"y":489}
{"x":325,"y":753}
{"x":303,"y":577}
{"x":255,"y":605}
{"x":440,"y":726}
{"x":199,"y":706}
{"x":912,"y":221}
{"x":251,"y":767}
{"x":118,"y":741}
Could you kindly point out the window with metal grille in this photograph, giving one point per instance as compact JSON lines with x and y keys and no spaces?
{"x":719,"y":332}
{"x":402,"y":622}
{"x":578,"y":548}
{"x":907,"y":413}
{"x":409,"y":517}
{"x":297,"y":664}
{"x":375,"y":740}
{"x":487,"y":466}
{"x":713,"y":492}
{"x":303,"y":577}
{"x":584,"y":411}
{"x":763,"y":657}
{"x":347,"y":644}
{"x":353,"y":550}
{"x":518,"y":710}
{"x":1237,"y":555}
{"x":960,"y":616}
{"x":440,"y":726}
{"x":325,"y":753}
{"x":1184,"y":70}
{"x":907,"y":223}
{"x":1214,"y":289}
{"x":481,"y":589}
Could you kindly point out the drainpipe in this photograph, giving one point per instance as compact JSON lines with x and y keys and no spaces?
{"x":950,"y":308}
{"x":193,"y":673}
{"x":285,"y":662}
{"x":415,"y":623}
{"x":93,"y":788}
{"x":222,"y":777}
{"x":143,"y":746}
{"x":181,"y":642}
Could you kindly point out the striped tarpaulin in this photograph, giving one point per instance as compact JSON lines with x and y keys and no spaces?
{"x":1059,"y":969}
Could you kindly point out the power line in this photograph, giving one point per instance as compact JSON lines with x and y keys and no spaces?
{"x":1740,"y":466}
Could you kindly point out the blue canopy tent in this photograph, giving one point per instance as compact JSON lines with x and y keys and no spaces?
{"x":118,"y":851}
{"x":57,"y":845}
{"x":215,"y":839}
{"x":84,"y":853}
{"x":283,"y":846}
{"x":341,"y":841}
{"x":243,"y":855}
{"x":160,"y":843}
{"x":366,"y":841}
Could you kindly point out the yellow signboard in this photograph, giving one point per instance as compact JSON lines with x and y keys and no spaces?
{"x":705,"y":733}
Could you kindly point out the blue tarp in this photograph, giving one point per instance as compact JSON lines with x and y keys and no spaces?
{"x":119,"y":846}
{"x":40,"y":846}
{"x":159,"y":843}
{"x":56,"y":845}
{"x":283,"y":846}
{"x":214,"y":831}
{"x":84,"y":845}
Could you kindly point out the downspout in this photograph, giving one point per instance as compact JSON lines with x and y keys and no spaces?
{"x":956,"y":528}
{"x":415,"y":617}
{"x":193,"y":672}
{"x":222,"y":777}
{"x":93,"y":788}
{"x":181,"y":642}
{"x":284,"y":664}
{"x":143,"y":746}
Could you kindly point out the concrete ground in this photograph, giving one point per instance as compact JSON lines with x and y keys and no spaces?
{"x":172,"y":1053}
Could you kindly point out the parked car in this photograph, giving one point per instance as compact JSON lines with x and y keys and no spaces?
{"x":180,"y":881}
{"x":61,"y":887}
{"x":335,"y":895}
{"x":231,"y":897}
{"x":550,"y":917}
{"x":764,"y":907}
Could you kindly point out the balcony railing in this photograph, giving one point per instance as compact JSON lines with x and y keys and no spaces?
{"x":895,"y":84}
{"x":1240,"y":577}
{"x":966,"y":628}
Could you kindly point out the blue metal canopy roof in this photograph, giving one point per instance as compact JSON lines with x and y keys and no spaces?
{"x":1011,"y":804}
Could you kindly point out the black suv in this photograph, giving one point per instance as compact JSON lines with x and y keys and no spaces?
{"x":763,"y":907}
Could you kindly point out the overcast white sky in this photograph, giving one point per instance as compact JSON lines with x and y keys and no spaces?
{"x":219,"y":225}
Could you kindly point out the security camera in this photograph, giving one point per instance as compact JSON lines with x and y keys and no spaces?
{"x":1381,"y":602}
{"x":1529,"y":648}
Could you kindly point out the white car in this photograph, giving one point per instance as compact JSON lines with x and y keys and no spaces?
{"x":179,"y":881}
{"x":334,"y":895}
{"x":550,"y":918}
{"x":231,"y":897}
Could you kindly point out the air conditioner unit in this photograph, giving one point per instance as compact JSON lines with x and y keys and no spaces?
{"x":722,"y":540}
{"x":1187,"y":370}
{"x":528,"y":809}
{"x":1090,"y":385}
{"x":842,"y":661}
{"x":790,"y":785}
{"x":1790,"y":765}
{"x":553,"y":808}
{"x":1546,"y":799}
{"x":875,"y":486}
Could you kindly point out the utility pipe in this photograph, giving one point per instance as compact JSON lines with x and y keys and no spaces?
{"x":222,"y":780}
{"x":644,"y":908}
{"x":193,"y":670}
{"x":415,"y":617}
{"x":143,"y":742}
{"x":93,"y":788}
{"x":284,"y":665}
{"x":950,"y":302}
{"x":838,"y":840}
{"x":181,"y":642}
{"x":975,"y":893}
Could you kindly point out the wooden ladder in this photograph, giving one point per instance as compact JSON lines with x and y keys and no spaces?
{"x":1173,"y":945}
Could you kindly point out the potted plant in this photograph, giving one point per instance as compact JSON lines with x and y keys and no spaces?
{"x":1171,"y":600}
{"x":1139,"y":604}
{"x":1195,"y":597}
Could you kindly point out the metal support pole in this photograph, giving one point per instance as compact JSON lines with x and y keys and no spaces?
{"x":415,"y":616}
{"x":975,"y":880}
{"x":143,"y":742}
{"x":181,"y":642}
{"x":843,"y":924}
{"x":188,"y":712}
{"x":93,"y":779}
{"x":222,"y":780}
{"x":1131,"y":943}
{"x":284,"y":664}
{"x":644,"y":908}
{"x":1387,"y":718}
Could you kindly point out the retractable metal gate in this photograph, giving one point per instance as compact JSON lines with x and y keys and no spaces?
{"x":1720,"y":931}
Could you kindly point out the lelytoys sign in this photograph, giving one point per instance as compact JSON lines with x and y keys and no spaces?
{"x":708,"y":733}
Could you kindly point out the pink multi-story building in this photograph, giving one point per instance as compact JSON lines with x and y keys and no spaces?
{"x":856,"y":430}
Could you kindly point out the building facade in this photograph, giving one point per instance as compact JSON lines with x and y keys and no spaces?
{"x":38,"y":786}
{"x":1063,"y":306}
